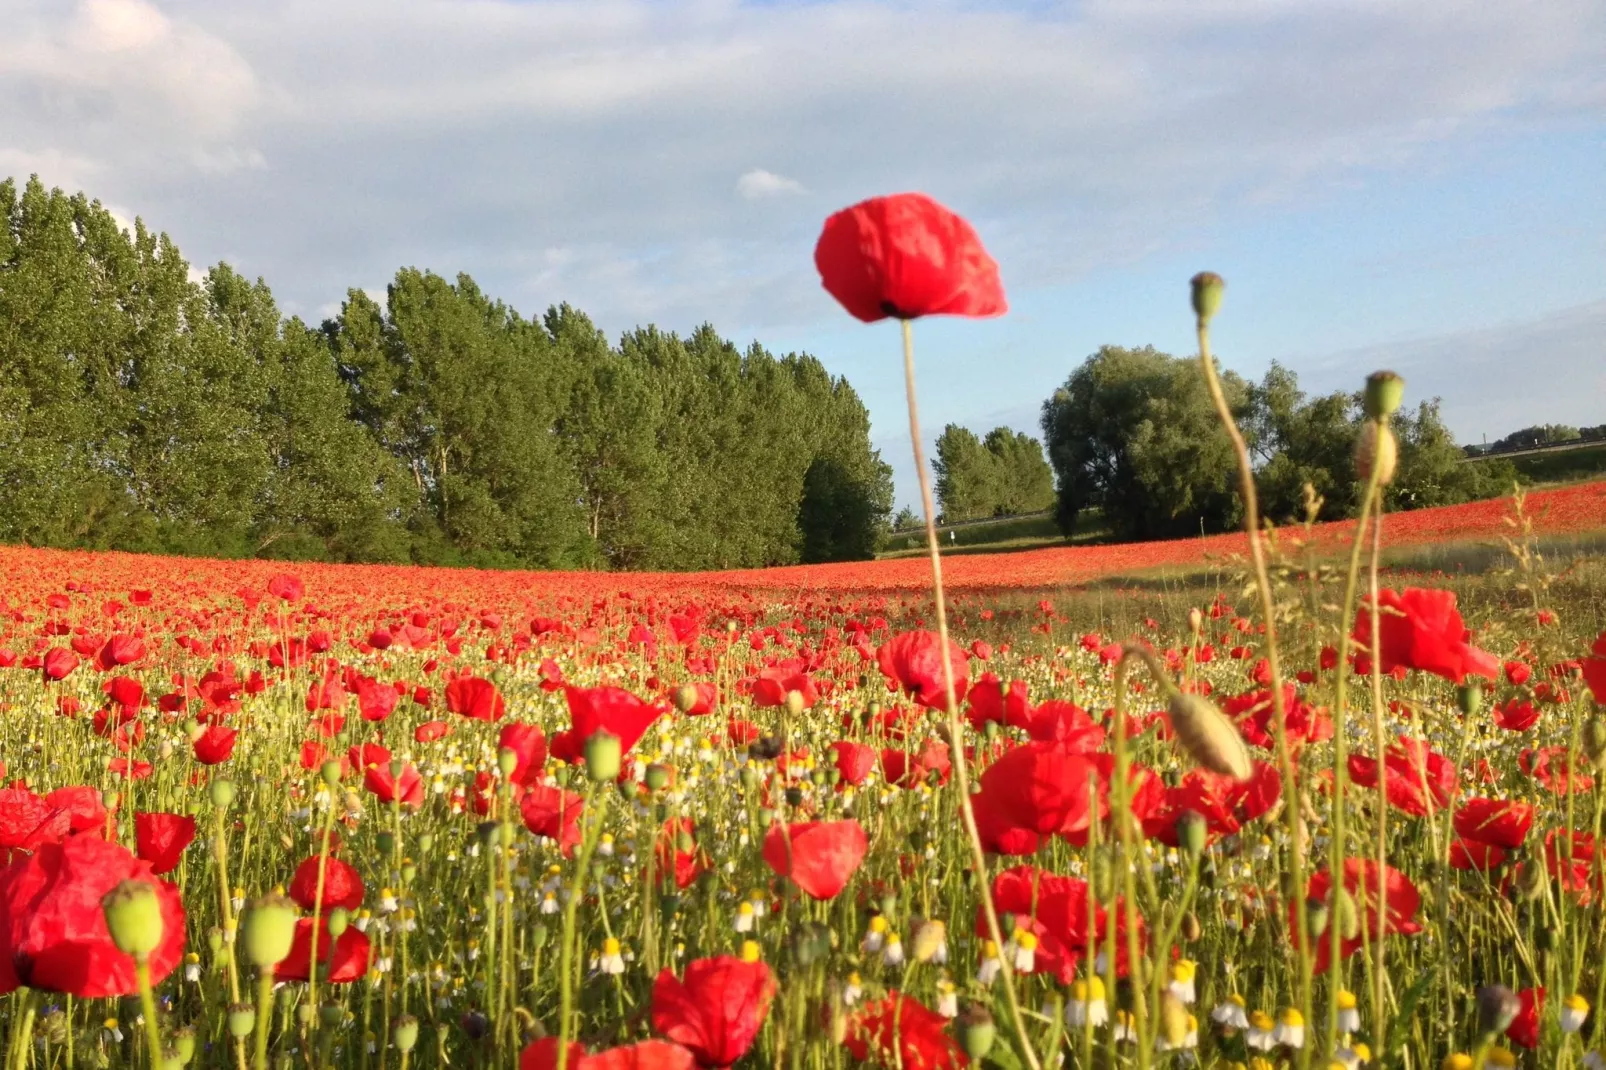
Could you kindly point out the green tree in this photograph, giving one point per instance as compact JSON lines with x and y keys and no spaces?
{"x":968,"y":476}
{"x":1025,"y":482}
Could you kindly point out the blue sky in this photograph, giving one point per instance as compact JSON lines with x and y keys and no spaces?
{"x":1417,"y":185}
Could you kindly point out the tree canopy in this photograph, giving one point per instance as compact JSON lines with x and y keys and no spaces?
{"x":1133,"y":433}
{"x":144,"y":410}
{"x":1004,"y":474}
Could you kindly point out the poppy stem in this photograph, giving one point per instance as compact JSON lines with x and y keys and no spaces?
{"x":956,"y":738}
{"x":147,"y":1006}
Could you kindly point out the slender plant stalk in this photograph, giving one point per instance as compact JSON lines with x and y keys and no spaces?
{"x":588,"y":843}
{"x":955,"y":730}
{"x":1380,"y":742}
{"x":147,"y":1006}
{"x":1257,"y":556}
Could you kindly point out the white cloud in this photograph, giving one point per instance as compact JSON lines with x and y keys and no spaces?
{"x":759,"y":184}
{"x":582,"y":149}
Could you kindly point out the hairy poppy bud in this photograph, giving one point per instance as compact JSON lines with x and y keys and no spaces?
{"x":1346,"y":915}
{"x":657,"y":777}
{"x":269,"y":930}
{"x":1191,"y":929}
{"x":1317,"y":917}
{"x":795,"y":704}
{"x":1173,"y":1019}
{"x":222,"y":793}
{"x":184,"y":1044}
{"x":330,"y":772}
{"x":134,"y":917}
{"x":929,"y":938}
{"x":1594,"y":742}
{"x":1376,"y":446}
{"x":1210,"y":739}
{"x":1497,"y":1009}
{"x":1208,"y":288}
{"x":603,"y":756}
{"x":975,"y":1030}
{"x":242,"y":1019}
{"x":1192,"y":832}
{"x":1469,"y":697}
{"x":1530,"y":880}
{"x":1384,"y":391}
{"x":686,"y":697}
{"x":507,"y":760}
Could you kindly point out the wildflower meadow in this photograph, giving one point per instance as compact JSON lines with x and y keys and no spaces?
{"x":1284,"y":798}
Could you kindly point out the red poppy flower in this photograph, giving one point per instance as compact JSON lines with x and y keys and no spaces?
{"x":528,"y":743}
{"x":1422,"y":629}
{"x":406,"y":787}
{"x":1392,"y":911}
{"x":430,"y":731}
{"x":819,"y":856}
{"x":707,"y":699}
{"x":1550,"y":766}
{"x":1415,"y":776}
{"x":475,"y":698}
{"x":853,"y":760}
{"x":345,"y":957}
{"x":1053,"y":908}
{"x":990,"y":702}
{"x":342,"y":885}
{"x":1044,"y":787}
{"x":602,"y":709}
{"x":375,"y":700}
{"x":286,"y":586}
{"x":59,"y":662}
{"x":126,"y":691}
{"x":1494,"y":821}
{"x":1524,"y":1028}
{"x":913,"y":661}
{"x":215,"y":744}
{"x":553,"y":813}
{"x":717,"y":1011}
{"x":681,"y":867}
{"x":1474,"y":854}
{"x":648,"y":1055}
{"x":21,"y":812}
{"x":1066,"y":724}
{"x":160,"y":839}
{"x":53,"y":932}
{"x":907,"y":256}
{"x":899,"y":1031}
{"x":1594,"y":669}
{"x":1516,"y":715}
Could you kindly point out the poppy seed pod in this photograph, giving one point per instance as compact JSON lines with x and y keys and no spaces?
{"x":685,"y":697}
{"x":1210,"y":739}
{"x":242,"y":1019}
{"x":1376,"y":445}
{"x":1208,"y":288}
{"x":268,"y":931}
{"x":1384,"y":391}
{"x":976,"y":1031}
{"x":603,"y":756}
{"x":222,"y":793}
{"x":1594,"y":742}
{"x":1469,"y":697}
{"x":405,"y":1032}
{"x":134,"y":917}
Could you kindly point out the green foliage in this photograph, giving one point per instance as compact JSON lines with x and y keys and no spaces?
{"x":1004,"y":474}
{"x":142,"y":410}
{"x":1133,"y":432}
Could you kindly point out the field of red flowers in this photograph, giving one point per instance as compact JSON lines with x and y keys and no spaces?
{"x":365,"y":817}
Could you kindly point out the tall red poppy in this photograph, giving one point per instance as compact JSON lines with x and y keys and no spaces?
{"x":160,"y":839}
{"x":1524,"y":1028}
{"x":286,"y":586}
{"x":342,"y":885}
{"x":907,"y":256}
{"x":602,"y":709}
{"x":1421,"y":628}
{"x":53,"y":932}
{"x":553,"y":813}
{"x":345,"y":956}
{"x":647,"y":1055}
{"x":913,"y":661}
{"x":1387,"y":905}
{"x":1415,"y":776}
{"x":475,"y":698}
{"x":528,"y":744}
{"x":1044,"y":787}
{"x":853,"y":760}
{"x":899,"y":1031}
{"x":1500,"y":822}
{"x":717,"y":1010}
{"x":819,"y":856}
{"x":215,"y":744}
{"x":406,"y":787}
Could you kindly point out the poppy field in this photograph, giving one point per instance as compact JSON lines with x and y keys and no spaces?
{"x":710,"y":824}
{"x":1295,"y":815}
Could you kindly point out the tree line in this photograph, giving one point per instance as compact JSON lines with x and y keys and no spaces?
{"x":1133,"y":433}
{"x":1003,"y":474}
{"x":1538,"y":437}
{"x":141,"y":409}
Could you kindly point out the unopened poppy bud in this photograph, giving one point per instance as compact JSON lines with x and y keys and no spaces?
{"x":330,"y":772}
{"x":1192,"y":832}
{"x":214,"y":939}
{"x":507,"y":760}
{"x":405,"y":1033}
{"x":1594,"y":742}
{"x":268,"y":930}
{"x":222,"y":793}
{"x":975,"y":1030}
{"x":339,"y":918}
{"x":603,"y":756}
{"x":1191,"y":929}
{"x":1530,"y":880}
{"x":657,"y":777}
{"x":686,"y":697}
{"x":1173,"y":1020}
{"x":184,"y":1044}
{"x":795,"y":704}
{"x":1346,"y":914}
{"x":1208,"y":288}
{"x":331,"y":1014}
{"x":1317,"y":917}
{"x":1376,"y":446}
{"x":1384,"y":392}
{"x":1195,"y":619}
{"x":134,"y":917}
{"x":242,"y":1019}
{"x":1210,"y":739}
{"x":1497,"y":1009}
{"x":930,"y":937}
{"x":1469,"y":697}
